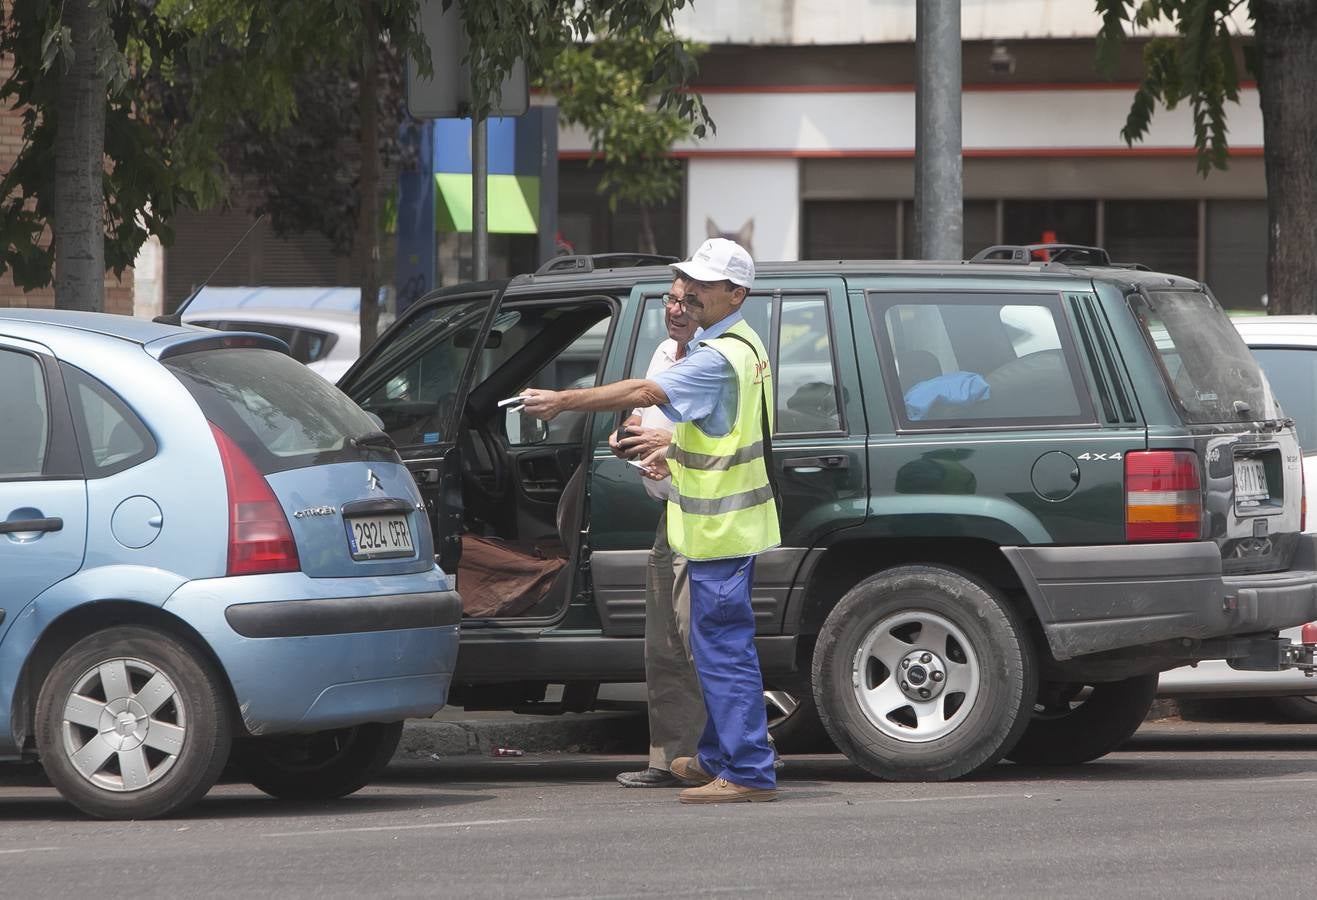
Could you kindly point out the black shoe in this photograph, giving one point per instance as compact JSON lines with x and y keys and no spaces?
{"x":650,"y":777}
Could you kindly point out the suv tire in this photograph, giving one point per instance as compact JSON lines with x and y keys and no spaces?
{"x":321,"y":766}
{"x":1296,"y":709}
{"x":1066,"y":734}
{"x":952,"y":637}
{"x":133,"y":724}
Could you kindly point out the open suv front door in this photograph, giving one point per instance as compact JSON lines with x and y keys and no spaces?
{"x":415,"y":380}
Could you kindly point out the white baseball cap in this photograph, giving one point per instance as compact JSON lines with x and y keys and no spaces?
{"x":719,"y":259}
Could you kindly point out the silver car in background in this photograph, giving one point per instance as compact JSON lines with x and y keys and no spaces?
{"x":327,"y":341}
{"x":1286,"y":348}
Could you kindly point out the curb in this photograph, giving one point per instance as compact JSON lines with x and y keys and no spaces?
{"x":456,"y":732}
{"x":598,"y":732}
{"x":1163,"y":708}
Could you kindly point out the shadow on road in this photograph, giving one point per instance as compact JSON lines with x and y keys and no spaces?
{"x":478,"y":773}
{"x":31,"y":798}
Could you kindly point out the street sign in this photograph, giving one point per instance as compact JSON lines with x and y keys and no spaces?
{"x":447,"y":93}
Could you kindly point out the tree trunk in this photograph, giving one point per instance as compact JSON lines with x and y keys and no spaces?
{"x":78,"y":224}
{"x":367,"y":241}
{"x":1286,"y":32}
{"x":648,"y":244}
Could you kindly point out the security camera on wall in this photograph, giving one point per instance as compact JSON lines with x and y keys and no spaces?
{"x":1001,"y":61}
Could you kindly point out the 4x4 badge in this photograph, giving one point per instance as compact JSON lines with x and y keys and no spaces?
{"x":373,"y":480}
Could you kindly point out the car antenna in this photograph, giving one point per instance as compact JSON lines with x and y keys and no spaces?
{"x":176,"y":317}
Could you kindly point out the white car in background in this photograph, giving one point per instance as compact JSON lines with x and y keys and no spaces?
{"x":327,"y":341}
{"x":1286,"y":347}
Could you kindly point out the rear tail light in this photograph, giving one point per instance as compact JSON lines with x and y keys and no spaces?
{"x":260,"y":541}
{"x":1163,"y":497}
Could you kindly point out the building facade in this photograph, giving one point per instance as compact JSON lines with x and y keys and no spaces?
{"x":814,"y":151}
{"x":813,"y":157}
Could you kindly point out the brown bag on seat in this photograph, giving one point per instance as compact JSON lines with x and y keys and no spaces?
{"x":496,"y":580}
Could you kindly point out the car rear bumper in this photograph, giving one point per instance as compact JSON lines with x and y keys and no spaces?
{"x":299,"y":662}
{"x":1092,"y":599}
{"x":345,"y":615}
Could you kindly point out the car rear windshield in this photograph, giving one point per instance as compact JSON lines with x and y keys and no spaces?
{"x":1208,"y":367}
{"x":283,"y":415}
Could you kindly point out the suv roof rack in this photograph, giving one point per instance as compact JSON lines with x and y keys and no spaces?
{"x":588,"y":262}
{"x":1022,"y":254}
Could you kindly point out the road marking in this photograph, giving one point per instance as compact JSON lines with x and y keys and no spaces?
{"x":367,"y":828}
{"x":28,"y":850}
{"x":949,"y":797}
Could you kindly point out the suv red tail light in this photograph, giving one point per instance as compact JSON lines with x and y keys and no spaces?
{"x":260,"y":541}
{"x":1163,"y":496}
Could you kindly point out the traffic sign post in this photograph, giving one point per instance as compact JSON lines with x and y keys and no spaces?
{"x":446,"y":93}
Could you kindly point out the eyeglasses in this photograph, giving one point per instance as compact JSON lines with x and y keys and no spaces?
{"x":671,"y":300}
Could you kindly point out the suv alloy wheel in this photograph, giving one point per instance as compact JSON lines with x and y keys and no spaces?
{"x":923,"y":675}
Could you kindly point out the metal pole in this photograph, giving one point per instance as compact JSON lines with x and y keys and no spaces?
{"x":480,"y":199}
{"x":939,"y":187}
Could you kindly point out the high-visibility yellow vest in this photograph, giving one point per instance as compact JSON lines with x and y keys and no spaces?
{"x":721,"y":504}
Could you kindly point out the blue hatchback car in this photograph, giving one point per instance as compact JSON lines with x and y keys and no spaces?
{"x":205,"y":548}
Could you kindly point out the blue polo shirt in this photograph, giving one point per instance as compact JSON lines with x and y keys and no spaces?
{"x":701,"y":387}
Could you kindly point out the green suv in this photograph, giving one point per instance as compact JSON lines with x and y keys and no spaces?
{"x":1012,"y":493}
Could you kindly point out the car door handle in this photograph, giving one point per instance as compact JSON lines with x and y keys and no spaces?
{"x":808,"y":465}
{"x":16,"y":526}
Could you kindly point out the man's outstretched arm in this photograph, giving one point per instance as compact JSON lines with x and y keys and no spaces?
{"x":622,"y":395}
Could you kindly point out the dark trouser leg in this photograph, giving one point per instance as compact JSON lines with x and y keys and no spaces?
{"x":734,"y":744}
{"x":676,"y":708}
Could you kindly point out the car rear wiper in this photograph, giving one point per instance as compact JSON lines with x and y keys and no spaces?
{"x":373,"y":439}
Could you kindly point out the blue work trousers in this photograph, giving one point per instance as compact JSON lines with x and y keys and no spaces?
{"x":734,"y":744}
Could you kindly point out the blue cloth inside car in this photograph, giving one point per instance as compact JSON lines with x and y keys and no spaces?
{"x":952,"y":389}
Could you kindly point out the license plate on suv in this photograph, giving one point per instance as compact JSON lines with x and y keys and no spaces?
{"x":1250,"y":480}
{"x":380,"y":537}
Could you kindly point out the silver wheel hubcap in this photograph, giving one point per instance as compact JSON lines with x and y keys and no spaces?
{"x":124,"y":725}
{"x":915,"y":676}
{"x":780,"y":705}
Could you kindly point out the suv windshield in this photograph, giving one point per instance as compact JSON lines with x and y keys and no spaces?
{"x":279,"y":412}
{"x":1207,"y":365}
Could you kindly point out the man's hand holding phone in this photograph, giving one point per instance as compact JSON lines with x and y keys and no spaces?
{"x":639,"y":442}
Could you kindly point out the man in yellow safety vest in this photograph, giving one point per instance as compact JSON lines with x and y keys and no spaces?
{"x":721,"y":509}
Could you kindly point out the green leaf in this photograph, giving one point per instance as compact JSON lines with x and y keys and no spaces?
{"x":1115,"y":14}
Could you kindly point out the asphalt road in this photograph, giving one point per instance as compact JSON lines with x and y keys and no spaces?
{"x":1186,"y":810}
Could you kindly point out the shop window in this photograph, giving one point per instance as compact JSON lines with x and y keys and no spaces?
{"x":848,"y":229}
{"x":1237,"y":252}
{"x":1049,"y":222}
{"x":587,"y":225}
{"x":1161,"y":234}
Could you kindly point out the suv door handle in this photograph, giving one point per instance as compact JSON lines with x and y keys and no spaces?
{"x":15,"y":526}
{"x":808,"y":465}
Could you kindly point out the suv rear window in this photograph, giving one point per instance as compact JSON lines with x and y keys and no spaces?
{"x":979,"y":360}
{"x":279,"y":412}
{"x":1209,"y":369}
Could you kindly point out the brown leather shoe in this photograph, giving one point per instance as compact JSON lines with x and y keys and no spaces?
{"x":723,"y":791}
{"x":687,"y":768}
